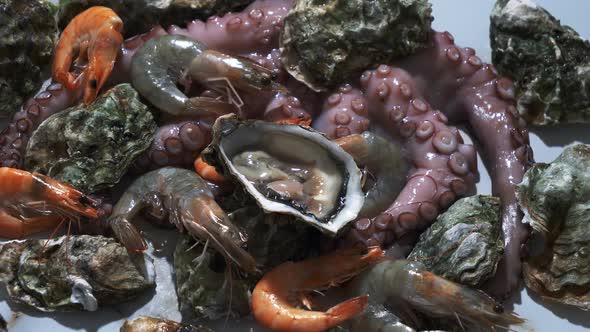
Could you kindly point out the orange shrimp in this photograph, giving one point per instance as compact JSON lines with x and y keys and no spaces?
{"x":270,"y":298}
{"x":95,"y":34}
{"x":208,"y":172}
{"x":21,"y":190}
{"x":302,"y":121}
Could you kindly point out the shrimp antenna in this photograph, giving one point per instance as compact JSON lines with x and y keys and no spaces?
{"x":63,"y":219}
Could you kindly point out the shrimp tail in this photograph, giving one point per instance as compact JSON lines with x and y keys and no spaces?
{"x":127,"y":234}
{"x":348,"y":309}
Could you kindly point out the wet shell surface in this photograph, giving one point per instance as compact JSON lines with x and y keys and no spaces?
{"x":289,"y":169}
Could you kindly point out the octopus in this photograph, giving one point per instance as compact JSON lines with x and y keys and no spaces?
{"x":416,"y":101}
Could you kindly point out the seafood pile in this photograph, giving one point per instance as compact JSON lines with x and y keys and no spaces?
{"x":288,"y":156}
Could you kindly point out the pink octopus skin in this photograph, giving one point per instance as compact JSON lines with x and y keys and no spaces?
{"x":345,"y":112}
{"x":256,"y":28}
{"x":455,"y":80}
{"x":444,"y":167}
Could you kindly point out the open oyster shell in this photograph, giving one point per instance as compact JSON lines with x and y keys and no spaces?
{"x":556,"y":201}
{"x":289,"y":169}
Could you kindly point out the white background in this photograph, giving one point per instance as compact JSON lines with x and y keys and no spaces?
{"x":468,"y":21}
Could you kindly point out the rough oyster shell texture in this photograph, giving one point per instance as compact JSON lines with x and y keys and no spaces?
{"x":84,"y":272}
{"x":149,"y":324}
{"x":465,"y":243}
{"x":555,"y":198}
{"x":549,"y":62}
{"x":325,"y":43}
{"x":338,"y":189}
{"x":202,"y":284}
{"x":28,"y":33}
{"x":91,"y":147}
{"x":141,"y":15}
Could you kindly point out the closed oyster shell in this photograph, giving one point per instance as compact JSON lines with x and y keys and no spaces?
{"x":92,"y":146}
{"x":150,"y":324}
{"x":202,"y":284}
{"x":82,"y":273}
{"x":28,"y":34}
{"x":555,"y":198}
{"x":141,"y":15}
{"x":324,"y":43}
{"x":329,"y":179}
{"x":465,"y":243}
{"x":549,"y":62}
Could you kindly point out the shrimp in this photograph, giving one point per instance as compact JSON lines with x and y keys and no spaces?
{"x":271,"y":296}
{"x":208,"y":172}
{"x":411,"y":283}
{"x":96,"y":34}
{"x":227,"y":75}
{"x":384,"y":161}
{"x":23,"y":193}
{"x":187,"y":200}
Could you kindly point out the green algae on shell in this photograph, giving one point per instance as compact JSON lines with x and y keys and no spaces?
{"x":141,"y":15}
{"x":28,"y":34}
{"x":555,"y":198}
{"x":325,"y":42}
{"x":91,"y":147}
{"x":549,"y":62}
{"x":203,"y":285}
{"x":81,"y":273}
{"x":465,"y":243}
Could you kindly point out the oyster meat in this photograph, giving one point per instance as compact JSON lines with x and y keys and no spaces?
{"x":82,"y":273}
{"x":555,"y":198}
{"x":465,"y":243}
{"x":92,"y":146}
{"x":289,"y":169}
{"x":326,"y":42}
{"x":549,"y":62}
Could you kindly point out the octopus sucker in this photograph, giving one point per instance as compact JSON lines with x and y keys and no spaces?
{"x":469,"y":91}
{"x":437,"y":151}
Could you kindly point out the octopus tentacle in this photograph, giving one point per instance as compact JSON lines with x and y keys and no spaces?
{"x":175,"y":144}
{"x":445,"y":168}
{"x":255,"y":28}
{"x":14,"y":138}
{"x":345,"y":112}
{"x":471,"y":91}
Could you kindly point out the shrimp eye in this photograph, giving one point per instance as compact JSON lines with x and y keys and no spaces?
{"x":498,"y":308}
{"x":93,"y":84}
{"x":266,"y":80}
{"x":274,"y":76}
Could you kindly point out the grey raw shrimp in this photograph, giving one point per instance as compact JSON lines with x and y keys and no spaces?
{"x":165,"y":60}
{"x":410,"y":283}
{"x":189,"y":203}
{"x":384,"y":161}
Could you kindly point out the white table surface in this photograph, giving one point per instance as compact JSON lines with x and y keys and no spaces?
{"x":468,"y":21}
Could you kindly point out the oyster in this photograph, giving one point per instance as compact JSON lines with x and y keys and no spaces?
{"x":2,"y":324}
{"x":149,"y":324}
{"x":556,"y":201}
{"x":326,"y":42}
{"x":289,"y":169}
{"x":28,"y":34}
{"x":549,"y":62}
{"x":141,"y":15}
{"x":465,"y":243}
{"x":81,"y":273}
{"x":92,"y":146}
{"x":203,"y":287}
